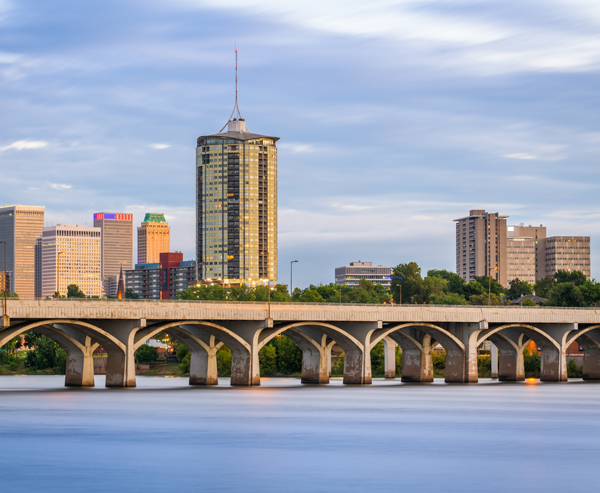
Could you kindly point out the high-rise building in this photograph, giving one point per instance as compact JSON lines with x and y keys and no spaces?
{"x":71,"y":254}
{"x":20,"y":225}
{"x":116,"y":247}
{"x":566,"y":253}
{"x":162,"y":280}
{"x":236,"y":204}
{"x":154,"y":238}
{"x":481,"y":246}
{"x":38,"y":267}
{"x":350,"y":275}
{"x":524,"y":252}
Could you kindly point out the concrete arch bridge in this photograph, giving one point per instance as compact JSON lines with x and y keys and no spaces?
{"x":121,"y":327}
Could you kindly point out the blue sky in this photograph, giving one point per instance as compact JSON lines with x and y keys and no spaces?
{"x":394,"y":117}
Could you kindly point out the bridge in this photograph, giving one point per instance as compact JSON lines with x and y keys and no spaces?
{"x":121,"y":327}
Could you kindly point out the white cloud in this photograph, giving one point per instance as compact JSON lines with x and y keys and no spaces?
{"x":25,"y":144}
{"x":160,"y":146}
{"x":59,"y":186}
{"x":521,"y":155}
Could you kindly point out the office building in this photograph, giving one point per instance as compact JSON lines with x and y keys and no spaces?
{"x":154,"y":238}
{"x":481,"y":246}
{"x":566,"y":253}
{"x":524,"y":252}
{"x":38,"y":267}
{"x":350,"y":275}
{"x":71,"y":254}
{"x":162,"y":280}
{"x":116,"y":247}
{"x":236,"y":204}
{"x":20,"y":225}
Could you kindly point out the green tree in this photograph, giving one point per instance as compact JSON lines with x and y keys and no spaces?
{"x":497,"y":288}
{"x":518,"y":288}
{"x":528,"y":302}
{"x":455,"y":282}
{"x":576,"y":277}
{"x":473,"y":288}
{"x":482,"y":299}
{"x":565,"y":294}
{"x":408,"y":278}
{"x":182,"y":352}
{"x":311,"y":296}
{"x":378,"y":360}
{"x":203,"y":292}
{"x":268,"y":361}
{"x":289,"y":356}
{"x":590,"y":290}
{"x":543,"y":286}
{"x":432,"y":286}
{"x":224,"y":357}
{"x":46,"y":355}
{"x":130,"y":294}
{"x":146,"y":354}
{"x":448,"y":299}
{"x":280,"y":293}
{"x":73,"y":291}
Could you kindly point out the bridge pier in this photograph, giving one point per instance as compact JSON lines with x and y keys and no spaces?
{"x":417,"y":363}
{"x":203,"y":349}
{"x":511,"y":365}
{"x":316,"y":353}
{"x":80,"y":354}
{"x":591,"y":355}
{"x":554,"y":352}
{"x":357,"y":352}
{"x":389,"y":358}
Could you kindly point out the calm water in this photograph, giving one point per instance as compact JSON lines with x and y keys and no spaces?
{"x":167,"y":436}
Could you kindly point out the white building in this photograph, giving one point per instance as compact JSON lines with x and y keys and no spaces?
{"x":71,"y":253}
{"x":350,"y":275}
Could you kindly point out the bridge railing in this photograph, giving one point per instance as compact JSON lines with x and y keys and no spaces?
{"x":288,"y":303}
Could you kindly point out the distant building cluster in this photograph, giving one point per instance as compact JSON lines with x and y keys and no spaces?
{"x":486,"y":244}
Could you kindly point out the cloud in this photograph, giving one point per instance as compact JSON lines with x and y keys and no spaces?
{"x":521,"y":155}
{"x":59,"y":186}
{"x":297,"y":147}
{"x":160,"y":146}
{"x":25,"y":144}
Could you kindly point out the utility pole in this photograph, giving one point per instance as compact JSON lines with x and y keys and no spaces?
{"x":291,"y":277}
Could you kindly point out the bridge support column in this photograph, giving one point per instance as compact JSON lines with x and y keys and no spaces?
{"x":120,"y":367}
{"x":203,"y":349}
{"x":494,"y":360}
{"x":357,"y":358}
{"x":316,"y":353}
{"x":461,"y":359}
{"x":417,"y":363}
{"x":390,"y":358}
{"x":245,"y":364}
{"x":554,"y":352}
{"x":591,"y":355}
{"x":510,"y":345}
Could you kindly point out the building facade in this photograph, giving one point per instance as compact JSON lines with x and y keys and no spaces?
{"x":236,"y":205}
{"x":153,"y":238}
{"x":20,"y":225}
{"x":71,"y":254}
{"x":350,"y":275}
{"x":116,"y":247}
{"x":524,"y":252}
{"x":162,"y":281}
{"x":566,"y":253}
{"x":481,"y":246}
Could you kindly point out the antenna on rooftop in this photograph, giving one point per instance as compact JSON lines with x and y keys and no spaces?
{"x":236,"y":108}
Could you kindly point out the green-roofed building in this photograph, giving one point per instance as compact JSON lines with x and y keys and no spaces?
{"x":154,"y":238}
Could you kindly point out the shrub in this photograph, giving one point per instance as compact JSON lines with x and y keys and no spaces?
{"x":574,"y":371}
{"x":146,"y":354}
{"x":224,"y":361}
{"x":268,"y":361}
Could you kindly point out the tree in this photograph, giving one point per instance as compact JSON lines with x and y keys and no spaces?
{"x":455,"y":282}
{"x":565,"y":294}
{"x":576,"y":277}
{"x":408,"y":278}
{"x":46,"y":355}
{"x":311,"y":296}
{"x":543,"y":286}
{"x":130,"y":294}
{"x":497,"y":288}
{"x":482,"y":299}
{"x":268,"y":361}
{"x":146,"y":354}
{"x":473,"y":288}
{"x":73,"y":291}
{"x":289,"y":356}
{"x":590,"y":290}
{"x":528,"y":302}
{"x":518,"y":288}
{"x":432,"y":286}
{"x":448,"y":299}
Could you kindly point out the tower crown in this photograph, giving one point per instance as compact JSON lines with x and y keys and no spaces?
{"x":236,"y":125}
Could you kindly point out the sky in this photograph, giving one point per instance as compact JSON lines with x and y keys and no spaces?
{"x":395,"y":117}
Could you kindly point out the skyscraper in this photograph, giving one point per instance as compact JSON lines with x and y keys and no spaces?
{"x":20,"y":225}
{"x":71,"y":255}
{"x":116,"y":247}
{"x":481,"y":246}
{"x":154,"y":238}
{"x":236,"y":204}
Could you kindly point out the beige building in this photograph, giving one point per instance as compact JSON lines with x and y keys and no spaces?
{"x":236,"y":205}
{"x":116,"y":247}
{"x":71,"y":254}
{"x":481,"y":246}
{"x":566,"y":253}
{"x":20,"y":225}
{"x":154,"y":238}
{"x":524,"y":252}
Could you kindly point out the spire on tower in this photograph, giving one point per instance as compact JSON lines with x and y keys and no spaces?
{"x":234,"y":124}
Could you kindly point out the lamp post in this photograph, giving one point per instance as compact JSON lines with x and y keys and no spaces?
{"x":399,"y":289}
{"x":5,"y":280}
{"x":291,"y":277}
{"x":58,"y":273}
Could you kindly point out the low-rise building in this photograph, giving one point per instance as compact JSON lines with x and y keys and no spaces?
{"x":350,"y":275}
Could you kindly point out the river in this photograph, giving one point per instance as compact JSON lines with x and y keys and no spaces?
{"x":283,"y":436}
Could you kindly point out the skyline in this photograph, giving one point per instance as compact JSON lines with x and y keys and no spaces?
{"x":387,"y":134}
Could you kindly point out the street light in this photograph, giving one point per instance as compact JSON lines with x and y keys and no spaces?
{"x":399,"y":289}
{"x":58,"y":273}
{"x":291,"y":277}
{"x":490,"y":289}
{"x":5,"y":280}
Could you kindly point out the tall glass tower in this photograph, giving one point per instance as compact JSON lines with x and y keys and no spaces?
{"x":236,"y":205}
